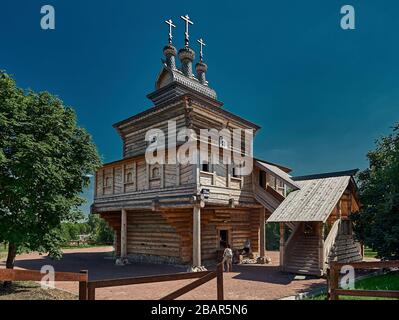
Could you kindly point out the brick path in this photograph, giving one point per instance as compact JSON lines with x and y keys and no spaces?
{"x":248,"y":282}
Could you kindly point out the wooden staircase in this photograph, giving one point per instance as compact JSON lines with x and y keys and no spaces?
{"x":303,"y":256}
{"x":345,"y":250}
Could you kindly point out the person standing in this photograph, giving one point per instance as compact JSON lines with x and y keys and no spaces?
{"x":228,"y":258}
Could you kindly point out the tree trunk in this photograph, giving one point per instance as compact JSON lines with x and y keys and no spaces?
{"x":12,"y":252}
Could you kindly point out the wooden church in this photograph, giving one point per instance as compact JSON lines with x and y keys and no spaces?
{"x":186,"y":213}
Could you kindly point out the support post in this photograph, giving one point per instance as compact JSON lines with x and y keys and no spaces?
{"x":219,"y":281}
{"x":282,"y":233}
{"x":123,"y":234}
{"x":196,"y":236}
{"x":83,"y":285}
{"x":321,"y":248}
{"x":262,"y":236}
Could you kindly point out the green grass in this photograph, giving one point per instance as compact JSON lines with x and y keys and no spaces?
{"x":3,"y":251}
{"x":28,"y":290}
{"x":389,"y":281}
{"x":369,"y":253}
{"x":83,"y":246}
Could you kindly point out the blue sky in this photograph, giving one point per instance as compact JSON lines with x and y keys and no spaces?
{"x":321,"y":94}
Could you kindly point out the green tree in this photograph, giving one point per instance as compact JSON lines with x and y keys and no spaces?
{"x":100,"y":231}
{"x":377,"y":225}
{"x":45,"y":164}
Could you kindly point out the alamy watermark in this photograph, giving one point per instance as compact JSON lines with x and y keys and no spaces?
{"x":211,"y":146}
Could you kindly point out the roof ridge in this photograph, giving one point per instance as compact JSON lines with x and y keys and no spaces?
{"x":351,"y":173}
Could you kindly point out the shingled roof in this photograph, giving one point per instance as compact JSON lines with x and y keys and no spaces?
{"x":316,"y":198}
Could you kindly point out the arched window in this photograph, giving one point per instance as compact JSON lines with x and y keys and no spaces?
{"x":222,"y":142}
{"x":108,"y":182}
{"x":129,"y":177}
{"x":155,"y":173}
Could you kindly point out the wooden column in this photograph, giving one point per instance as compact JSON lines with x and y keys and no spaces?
{"x":262,"y":234}
{"x":282,"y":232}
{"x":123,"y":233}
{"x":321,"y":247}
{"x":197,"y":236}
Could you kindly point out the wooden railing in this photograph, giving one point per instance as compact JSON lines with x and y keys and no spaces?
{"x":330,"y":240}
{"x":202,"y":277}
{"x":333,"y":278}
{"x":34,"y":275}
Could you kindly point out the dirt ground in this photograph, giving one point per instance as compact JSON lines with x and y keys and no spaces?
{"x":247,"y":282}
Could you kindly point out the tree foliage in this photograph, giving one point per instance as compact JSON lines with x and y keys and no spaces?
{"x":94,"y":226}
{"x":45,"y":164}
{"x":377,"y":225}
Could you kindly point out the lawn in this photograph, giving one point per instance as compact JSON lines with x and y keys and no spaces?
{"x":29,"y":290}
{"x":3,"y":251}
{"x":369,"y":253}
{"x":388,"y":281}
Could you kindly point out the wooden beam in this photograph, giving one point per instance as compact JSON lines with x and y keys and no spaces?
{"x":321,"y":247}
{"x":123,"y":233}
{"x":282,"y":233}
{"x":262,"y":233}
{"x":190,"y":286}
{"x":197,"y":236}
{"x":368,"y":293}
{"x":147,"y":279}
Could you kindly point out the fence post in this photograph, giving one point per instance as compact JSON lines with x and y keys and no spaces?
{"x":91,"y":292}
{"x":328,"y":282}
{"x":83,"y":285}
{"x":219,"y":281}
{"x":334,"y":277}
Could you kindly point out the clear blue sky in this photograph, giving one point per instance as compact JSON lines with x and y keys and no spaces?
{"x":321,"y":94}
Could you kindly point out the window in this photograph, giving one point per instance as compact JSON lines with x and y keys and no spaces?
{"x":205,"y":167}
{"x":108,"y":182}
{"x":129,"y":177}
{"x":222,"y":142}
{"x":234,"y":172}
{"x":262,"y":179}
{"x":155,"y":173}
{"x":271,"y":181}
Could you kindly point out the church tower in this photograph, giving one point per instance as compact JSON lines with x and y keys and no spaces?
{"x":183,"y":212}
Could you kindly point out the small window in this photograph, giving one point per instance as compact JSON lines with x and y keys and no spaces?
{"x":155,"y":173}
{"x":108,"y":182}
{"x":205,"y":167}
{"x":271,"y":181}
{"x":222,"y":142}
{"x":235,"y":172}
{"x":129,"y":177}
{"x":262,"y":179}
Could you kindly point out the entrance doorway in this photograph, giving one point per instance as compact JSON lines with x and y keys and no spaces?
{"x":224,"y":238}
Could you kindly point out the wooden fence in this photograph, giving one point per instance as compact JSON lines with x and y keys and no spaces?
{"x":34,"y":275}
{"x":333,"y":289}
{"x":202,"y":277}
{"x":87,"y":289}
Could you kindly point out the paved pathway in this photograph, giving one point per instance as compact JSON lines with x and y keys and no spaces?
{"x":248,"y":282}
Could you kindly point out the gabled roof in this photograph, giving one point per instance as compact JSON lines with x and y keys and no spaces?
{"x":276,"y":171}
{"x":316,"y":198}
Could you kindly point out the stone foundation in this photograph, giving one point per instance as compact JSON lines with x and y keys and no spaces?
{"x":146,"y":258}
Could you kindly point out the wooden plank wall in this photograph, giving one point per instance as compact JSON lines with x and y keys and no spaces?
{"x":169,"y":233}
{"x":135,"y":144}
{"x":149,"y":233}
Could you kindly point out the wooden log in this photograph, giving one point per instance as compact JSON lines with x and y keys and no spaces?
{"x":123,"y":233}
{"x":83,"y":285}
{"x":219,"y":280}
{"x":190,"y":286}
{"x":147,"y":279}
{"x":368,"y":293}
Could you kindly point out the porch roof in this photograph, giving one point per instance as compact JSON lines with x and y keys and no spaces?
{"x":276,"y":171}
{"x":316,"y":198}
